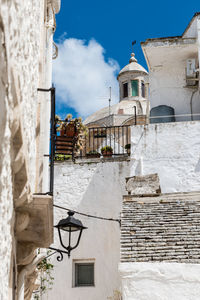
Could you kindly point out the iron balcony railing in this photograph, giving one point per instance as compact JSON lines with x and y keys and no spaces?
{"x":117,"y":137}
{"x":89,"y":144}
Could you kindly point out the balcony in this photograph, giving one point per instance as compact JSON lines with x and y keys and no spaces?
{"x":90,"y":143}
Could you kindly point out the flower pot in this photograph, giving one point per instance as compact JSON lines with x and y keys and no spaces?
{"x":62,"y":132}
{"x":95,"y":155}
{"x":107,"y":154}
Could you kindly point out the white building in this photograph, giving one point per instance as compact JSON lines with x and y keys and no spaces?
{"x":160,"y":233}
{"x":26,"y":215}
{"x":97,"y":187}
{"x":174,"y":71}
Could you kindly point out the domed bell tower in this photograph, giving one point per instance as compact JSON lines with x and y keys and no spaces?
{"x":133,"y":85}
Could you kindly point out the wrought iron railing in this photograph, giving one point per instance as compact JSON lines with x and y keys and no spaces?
{"x":116,"y":137}
{"x":90,"y":144}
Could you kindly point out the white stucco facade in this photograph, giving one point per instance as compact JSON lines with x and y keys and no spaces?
{"x":171,"y":150}
{"x":167,"y":62}
{"x":96,"y":189}
{"x":160,"y":281}
{"x":23,"y":116}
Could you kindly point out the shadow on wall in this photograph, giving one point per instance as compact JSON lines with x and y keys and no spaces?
{"x":197,"y":168}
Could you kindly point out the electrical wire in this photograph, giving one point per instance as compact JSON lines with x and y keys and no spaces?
{"x":89,"y":216}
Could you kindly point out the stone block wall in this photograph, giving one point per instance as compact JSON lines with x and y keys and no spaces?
{"x":161,"y":229}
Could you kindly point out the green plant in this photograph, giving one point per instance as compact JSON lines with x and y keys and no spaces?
{"x":45,"y":267}
{"x":93,"y":153}
{"x":127,"y":146}
{"x":62,"y":157}
{"x":116,"y":295}
{"x":106,"y":149}
{"x":68,"y":118}
{"x":57,"y":118}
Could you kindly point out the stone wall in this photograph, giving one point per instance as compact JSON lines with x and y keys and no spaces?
{"x":19,"y":71}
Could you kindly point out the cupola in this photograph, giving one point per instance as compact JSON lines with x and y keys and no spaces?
{"x":133,"y":81}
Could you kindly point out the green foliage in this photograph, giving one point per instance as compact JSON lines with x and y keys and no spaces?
{"x":106,"y":149}
{"x":62,"y":157}
{"x":45,"y":267}
{"x":68,"y":117}
{"x":93,"y":153}
{"x":127,"y":146}
{"x":116,"y":295}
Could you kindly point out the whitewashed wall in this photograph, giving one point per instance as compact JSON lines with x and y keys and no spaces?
{"x":166,"y":87}
{"x":19,"y":71}
{"x":96,"y":189}
{"x":167,"y":62}
{"x":160,"y":281}
{"x":172,"y":150}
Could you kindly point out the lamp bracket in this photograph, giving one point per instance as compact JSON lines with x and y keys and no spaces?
{"x":60,"y":256}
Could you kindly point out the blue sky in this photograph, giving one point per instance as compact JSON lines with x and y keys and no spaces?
{"x":105,"y":29}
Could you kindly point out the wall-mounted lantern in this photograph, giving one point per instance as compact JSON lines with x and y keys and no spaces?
{"x":70,"y":225}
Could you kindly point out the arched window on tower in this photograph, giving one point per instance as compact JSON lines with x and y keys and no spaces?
{"x":143,"y":89}
{"x":125,"y":89}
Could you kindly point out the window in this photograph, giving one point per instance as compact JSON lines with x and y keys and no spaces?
{"x":134,"y":85}
{"x":84,"y":274}
{"x":125,"y":90}
{"x":143,"y":89}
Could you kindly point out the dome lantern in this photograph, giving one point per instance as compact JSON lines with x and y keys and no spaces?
{"x":132,"y":81}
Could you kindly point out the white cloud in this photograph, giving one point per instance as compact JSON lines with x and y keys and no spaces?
{"x":83,"y":77}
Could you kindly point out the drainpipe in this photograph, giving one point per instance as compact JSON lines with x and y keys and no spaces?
{"x":50,"y":29}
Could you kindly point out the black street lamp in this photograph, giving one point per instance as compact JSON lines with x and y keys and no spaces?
{"x":70,"y":224}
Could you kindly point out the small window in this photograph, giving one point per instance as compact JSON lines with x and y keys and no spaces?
{"x":134,"y":85}
{"x":125,"y":90}
{"x":143,"y":89}
{"x":84,"y":274}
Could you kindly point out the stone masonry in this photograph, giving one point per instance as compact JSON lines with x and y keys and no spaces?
{"x":165,"y":228}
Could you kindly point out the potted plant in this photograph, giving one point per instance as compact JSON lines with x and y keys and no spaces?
{"x":128,"y":148}
{"x":107,"y":151}
{"x":93,"y":154}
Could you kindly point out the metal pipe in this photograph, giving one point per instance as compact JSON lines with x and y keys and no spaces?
{"x":53,"y":135}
